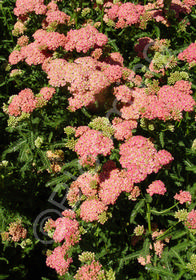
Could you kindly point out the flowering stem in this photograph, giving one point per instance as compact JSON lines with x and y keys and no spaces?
{"x":165,"y":232}
{"x":148,"y":217}
{"x":164,"y":211}
{"x":7,"y":24}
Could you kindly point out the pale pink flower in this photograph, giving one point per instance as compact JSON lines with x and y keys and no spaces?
{"x":24,"y":7}
{"x":91,"y":144}
{"x":123,"y":129}
{"x":59,"y":260}
{"x":84,"y":39}
{"x":140,"y":158}
{"x":33,"y":55}
{"x":25,"y":101}
{"x":158,"y":247}
{"x":15,"y":57}
{"x":143,"y":261}
{"x":56,"y":16}
{"x":91,"y":209}
{"x":157,"y":187}
{"x":66,"y":229}
{"x":17,"y":231}
{"x":191,"y":220}
{"x":189,"y":54}
{"x":112,"y":183}
{"x":49,"y":40}
{"x":123,"y":93}
{"x":183,"y":196}
{"x":91,"y":271}
{"x":19,"y":28}
{"x":87,"y":183}
{"x":23,"y":41}
{"x":47,"y":92}
{"x":125,"y":14}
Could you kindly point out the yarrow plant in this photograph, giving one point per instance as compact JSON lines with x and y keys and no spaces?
{"x":103,"y":113}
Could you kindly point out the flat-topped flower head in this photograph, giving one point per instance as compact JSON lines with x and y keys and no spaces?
{"x":183,"y":196}
{"x":25,"y":101}
{"x":157,"y":187}
{"x":59,"y":260}
{"x":91,"y":144}
{"x":84,"y":39}
{"x":140,"y":158}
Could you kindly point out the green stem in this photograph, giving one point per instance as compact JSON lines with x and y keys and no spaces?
{"x":164,"y":211}
{"x":7,"y":24}
{"x":165,"y":232}
{"x":148,"y":218}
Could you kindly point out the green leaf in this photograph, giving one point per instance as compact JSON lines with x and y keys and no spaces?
{"x":157,"y":31}
{"x":4,"y":276}
{"x":59,"y":179}
{"x":136,"y":210}
{"x":4,"y":259}
{"x":161,"y":139}
{"x":44,"y":159}
{"x":161,"y":271}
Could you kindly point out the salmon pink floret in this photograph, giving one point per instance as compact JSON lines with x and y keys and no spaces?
{"x":91,"y":144}
{"x":59,"y":260}
{"x":84,"y":39}
{"x":68,"y":230}
{"x":183,"y":196}
{"x":140,"y":158}
{"x":23,"y":102}
{"x":191,"y":219}
{"x":91,"y":209}
{"x":157,"y":187}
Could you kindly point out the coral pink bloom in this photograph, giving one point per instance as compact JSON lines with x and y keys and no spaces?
{"x":157,"y":187}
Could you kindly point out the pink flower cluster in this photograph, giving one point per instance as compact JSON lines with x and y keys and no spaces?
{"x":155,"y":10}
{"x":87,"y":184}
{"x":47,"y":93}
{"x":123,"y":128}
{"x":66,"y":229}
{"x":158,"y":246}
{"x":84,"y":80}
{"x":140,"y":157}
{"x":19,"y":28}
{"x":143,"y":261}
{"x":87,"y":79}
{"x":23,"y":41}
{"x":17,"y":231}
{"x":49,"y":40}
{"x":124,"y":15}
{"x":24,"y":7}
{"x":90,"y":271}
{"x":30,"y":53}
{"x":191,"y":219}
{"x":59,"y":260}
{"x":100,"y":190}
{"x":25,"y":101}
{"x":113,"y":182}
{"x":53,"y":15}
{"x":91,"y":209}
{"x":123,"y":93}
{"x":84,"y":39}
{"x":91,"y":144}
{"x":189,"y":54}
{"x":168,"y":103}
{"x":157,"y":187}
{"x":183,"y":197}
